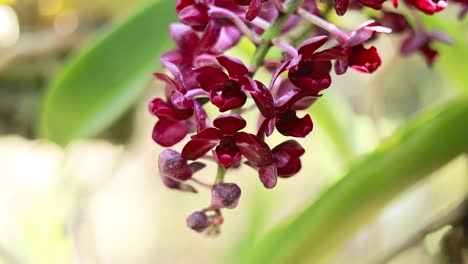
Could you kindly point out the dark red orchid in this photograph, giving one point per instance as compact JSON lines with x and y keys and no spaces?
{"x":366,"y":60}
{"x":310,"y":70}
{"x":419,"y":41}
{"x":225,"y":90}
{"x":280,"y":113}
{"x":230,"y":144}
{"x":287,"y":158}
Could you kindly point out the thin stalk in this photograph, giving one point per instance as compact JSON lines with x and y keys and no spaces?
{"x":201,"y":183}
{"x":322,"y":23}
{"x":220,"y":174}
{"x":224,"y":13}
{"x":273,"y":32}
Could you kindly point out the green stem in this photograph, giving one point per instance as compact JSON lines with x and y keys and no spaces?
{"x":220,"y":174}
{"x":272,"y":32}
{"x":411,"y":154}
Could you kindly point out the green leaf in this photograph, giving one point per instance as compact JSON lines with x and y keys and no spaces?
{"x":418,"y":149}
{"x":102,"y":82}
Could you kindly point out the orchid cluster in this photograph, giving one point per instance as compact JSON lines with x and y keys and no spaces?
{"x":201,"y":74}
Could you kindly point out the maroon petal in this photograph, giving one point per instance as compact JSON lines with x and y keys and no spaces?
{"x":234,"y":66}
{"x":341,"y":66}
{"x":168,"y":132}
{"x":224,"y":158}
{"x":309,"y":46}
{"x":303,"y":102}
{"x":281,"y":158}
{"x":174,"y":69}
{"x":360,"y":36}
{"x":254,"y":149}
{"x":171,"y":83}
{"x":313,"y":82}
{"x":181,"y":4}
{"x":195,"y":15}
{"x":374,"y":4}
{"x":211,"y":78}
{"x":200,"y":116}
{"x":268,"y":175}
{"x":210,"y":37}
{"x":254,"y":10}
{"x":291,"y":147}
{"x":429,"y":54}
{"x":286,"y":92}
{"x":196,"y":166}
{"x":228,"y":98}
{"x":229,"y":37}
{"x":195,"y":149}
{"x":175,"y":56}
{"x":364,"y":60}
{"x":341,"y":6}
{"x":184,"y":36}
{"x":282,"y":68}
{"x":261,"y":95}
{"x":182,"y":104}
{"x":290,"y":125}
{"x":229,"y":124}
{"x":209,"y":134}
{"x":290,"y":169}
{"x":329,"y":54}
{"x":395,"y":21}
{"x":161,"y":109}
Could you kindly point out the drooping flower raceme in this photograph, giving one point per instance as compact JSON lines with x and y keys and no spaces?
{"x":201,"y":76}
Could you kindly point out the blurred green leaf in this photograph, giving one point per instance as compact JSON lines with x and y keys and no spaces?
{"x":102,"y":81}
{"x":409,"y":155}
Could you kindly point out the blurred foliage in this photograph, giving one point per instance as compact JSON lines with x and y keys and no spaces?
{"x":103,"y":81}
{"x":453,"y":58}
{"x":406,"y":157}
{"x":7,"y":2}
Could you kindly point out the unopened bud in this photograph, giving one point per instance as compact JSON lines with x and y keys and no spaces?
{"x":225,"y":195}
{"x":198,"y":221}
{"x":172,"y":165}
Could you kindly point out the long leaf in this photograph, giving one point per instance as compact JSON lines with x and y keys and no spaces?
{"x":421,"y":147}
{"x":102,"y":82}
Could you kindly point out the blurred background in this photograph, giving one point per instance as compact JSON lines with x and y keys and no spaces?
{"x":100,"y":200}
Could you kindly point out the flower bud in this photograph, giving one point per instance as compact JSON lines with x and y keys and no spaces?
{"x":172,"y":165}
{"x":225,"y":195}
{"x":198,"y":221}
